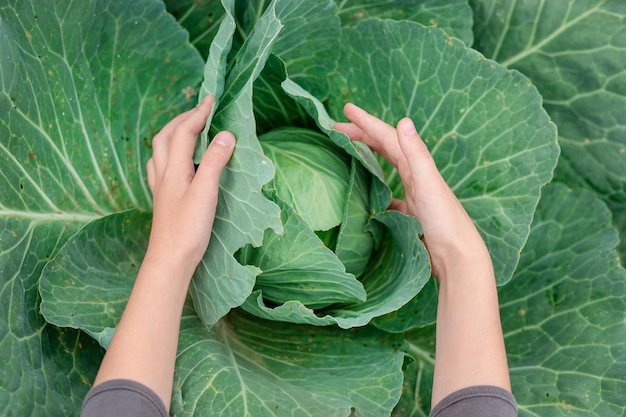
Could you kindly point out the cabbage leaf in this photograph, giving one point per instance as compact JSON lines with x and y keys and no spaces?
{"x":575,"y":53}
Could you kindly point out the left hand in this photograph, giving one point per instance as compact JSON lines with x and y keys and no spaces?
{"x":184,"y":199}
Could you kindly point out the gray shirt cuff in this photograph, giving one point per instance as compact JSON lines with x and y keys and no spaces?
{"x":123,"y":398}
{"x":478,"y":401}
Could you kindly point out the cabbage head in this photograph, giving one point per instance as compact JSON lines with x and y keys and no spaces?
{"x":312,"y":271}
{"x":312,"y":183}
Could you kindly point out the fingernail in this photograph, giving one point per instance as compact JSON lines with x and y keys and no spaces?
{"x":225,"y":140}
{"x":408,"y":128}
{"x":206,"y":99}
{"x":353,"y":105}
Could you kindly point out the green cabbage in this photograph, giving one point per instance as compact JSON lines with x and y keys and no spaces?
{"x":314,"y":298}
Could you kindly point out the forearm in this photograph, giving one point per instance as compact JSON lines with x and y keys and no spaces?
{"x":144,"y":346}
{"x":470,"y":345}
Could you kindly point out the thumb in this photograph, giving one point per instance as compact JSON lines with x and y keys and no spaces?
{"x":425,"y":177}
{"x":213,"y":161}
{"x":421,"y":163}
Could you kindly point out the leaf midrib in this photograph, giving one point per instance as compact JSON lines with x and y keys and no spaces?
{"x":49,"y":216}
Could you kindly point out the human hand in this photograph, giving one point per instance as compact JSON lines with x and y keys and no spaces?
{"x":449,"y":234}
{"x":184,"y":199}
{"x":469,"y":343}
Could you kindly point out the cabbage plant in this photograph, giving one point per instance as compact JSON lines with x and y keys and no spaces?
{"x":313,"y":298}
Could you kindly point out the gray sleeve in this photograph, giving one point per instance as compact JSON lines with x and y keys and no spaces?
{"x":479,"y":401}
{"x":122,"y":398}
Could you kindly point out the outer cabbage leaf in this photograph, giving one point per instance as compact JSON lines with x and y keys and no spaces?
{"x":308,"y":45}
{"x":419,"y":368}
{"x":46,"y":370}
{"x":215,"y":73}
{"x":419,"y":312}
{"x":484,"y":125}
{"x":243,"y":366}
{"x":102,"y":255}
{"x":563,"y":316}
{"x":619,"y":220}
{"x":453,"y":16}
{"x":84,"y":85}
{"x":575,"y":53}
{"x":220,"y":282}
{"x":249,"y":367}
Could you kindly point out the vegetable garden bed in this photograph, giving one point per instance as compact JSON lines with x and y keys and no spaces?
{"x":314,"y":299}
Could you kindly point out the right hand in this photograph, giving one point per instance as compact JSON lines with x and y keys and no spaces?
{"x":185,"y":200}
{"x":449,"y":234}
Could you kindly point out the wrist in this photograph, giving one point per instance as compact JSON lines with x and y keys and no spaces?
{"x":168,"y":268}
{"x":174,"y":254}
{"x":463,"y":263}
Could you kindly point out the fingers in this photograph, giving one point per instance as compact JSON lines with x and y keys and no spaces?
{"x":426,"y":189}
{"x":350,"y":129}
{"x":184,"y":133}
{"x":403,"y":148}
{"x":173,"y":151}
{"x":376,"y":134}
{"x":399,"y":205}
{"x":175,"y":143}
{"x":161,"y":142}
